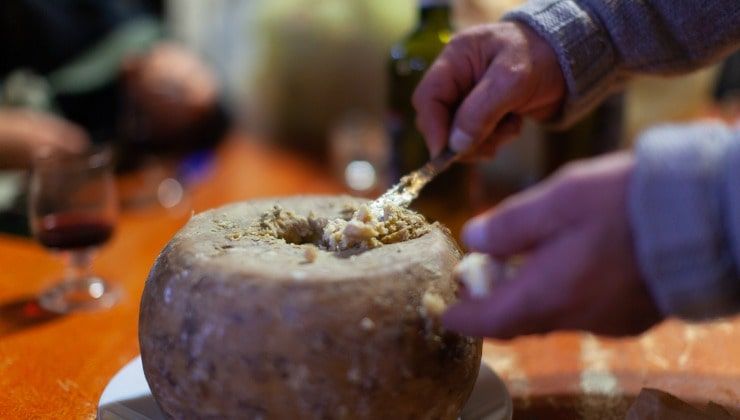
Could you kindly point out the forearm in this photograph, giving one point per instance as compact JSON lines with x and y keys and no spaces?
{"x":684,"y":204}
{"x":600,"y":43}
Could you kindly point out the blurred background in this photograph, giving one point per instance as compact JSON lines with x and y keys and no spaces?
{"x":121,"y":119}
{"x":163,"y":82}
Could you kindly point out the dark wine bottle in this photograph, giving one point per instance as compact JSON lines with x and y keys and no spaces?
{"x":409,"y":59}
{"x":597,"y":133}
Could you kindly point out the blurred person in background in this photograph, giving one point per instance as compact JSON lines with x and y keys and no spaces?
{"x":82,"y":71}
{"x":613,"y":244}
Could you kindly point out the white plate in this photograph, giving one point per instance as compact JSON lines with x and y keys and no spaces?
{"x":127,"y":397}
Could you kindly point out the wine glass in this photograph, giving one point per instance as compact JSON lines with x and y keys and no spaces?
{"x":73,"y":209}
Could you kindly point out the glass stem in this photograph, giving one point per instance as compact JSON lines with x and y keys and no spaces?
{"x":79,"y":263}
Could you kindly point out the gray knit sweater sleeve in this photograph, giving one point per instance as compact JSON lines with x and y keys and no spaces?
{"x":684,"y":197}
{"x":601,"y":42}
{"x":684,"y":205}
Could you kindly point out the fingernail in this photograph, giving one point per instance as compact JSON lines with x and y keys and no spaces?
{"x":474,"y":234}
{"x":460,"y":141}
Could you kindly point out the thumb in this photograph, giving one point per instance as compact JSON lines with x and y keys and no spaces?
{"x":532,"y":301}
{"x":517,"y":225}
{"x":513,"y":308}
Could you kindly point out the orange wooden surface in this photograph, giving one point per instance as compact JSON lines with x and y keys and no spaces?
{"x":57,"y":367}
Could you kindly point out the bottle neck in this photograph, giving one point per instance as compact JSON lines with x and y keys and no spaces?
{"x":435,"y":14}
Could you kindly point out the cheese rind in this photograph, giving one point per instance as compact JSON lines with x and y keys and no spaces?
{"x":245,"y":327}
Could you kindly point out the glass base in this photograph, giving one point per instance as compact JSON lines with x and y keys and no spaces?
{"x":86,"y":294}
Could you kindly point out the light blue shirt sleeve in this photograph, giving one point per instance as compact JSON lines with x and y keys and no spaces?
{"x":684,"y":205}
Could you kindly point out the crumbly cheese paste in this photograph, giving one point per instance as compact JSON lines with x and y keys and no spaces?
{"x":361,"y":231}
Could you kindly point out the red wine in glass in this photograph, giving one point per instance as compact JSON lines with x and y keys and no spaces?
{"x":68,"y":231}
{"x":73,"y":208}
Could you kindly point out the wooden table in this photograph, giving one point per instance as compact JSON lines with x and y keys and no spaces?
{"x":57,"y":366}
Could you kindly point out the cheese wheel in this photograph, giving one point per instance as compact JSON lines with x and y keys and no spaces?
{"x":238,"y":325}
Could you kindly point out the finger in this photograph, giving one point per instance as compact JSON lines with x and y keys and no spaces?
{"x":493,"y":97}
{"x":517,"y":225}
{"x":75,"y":141}
{"x":433,"y":123}
{"x":67,"y":136}
{"x":442,"y":88}
{"x":509,"y":128}
{"x":501,"y":315}
{"x":513,"y":308}
{"x":51,"y":145}
{"x":534,"y":301}
{"x":55,"y":133}
{"x":433,"y":100}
